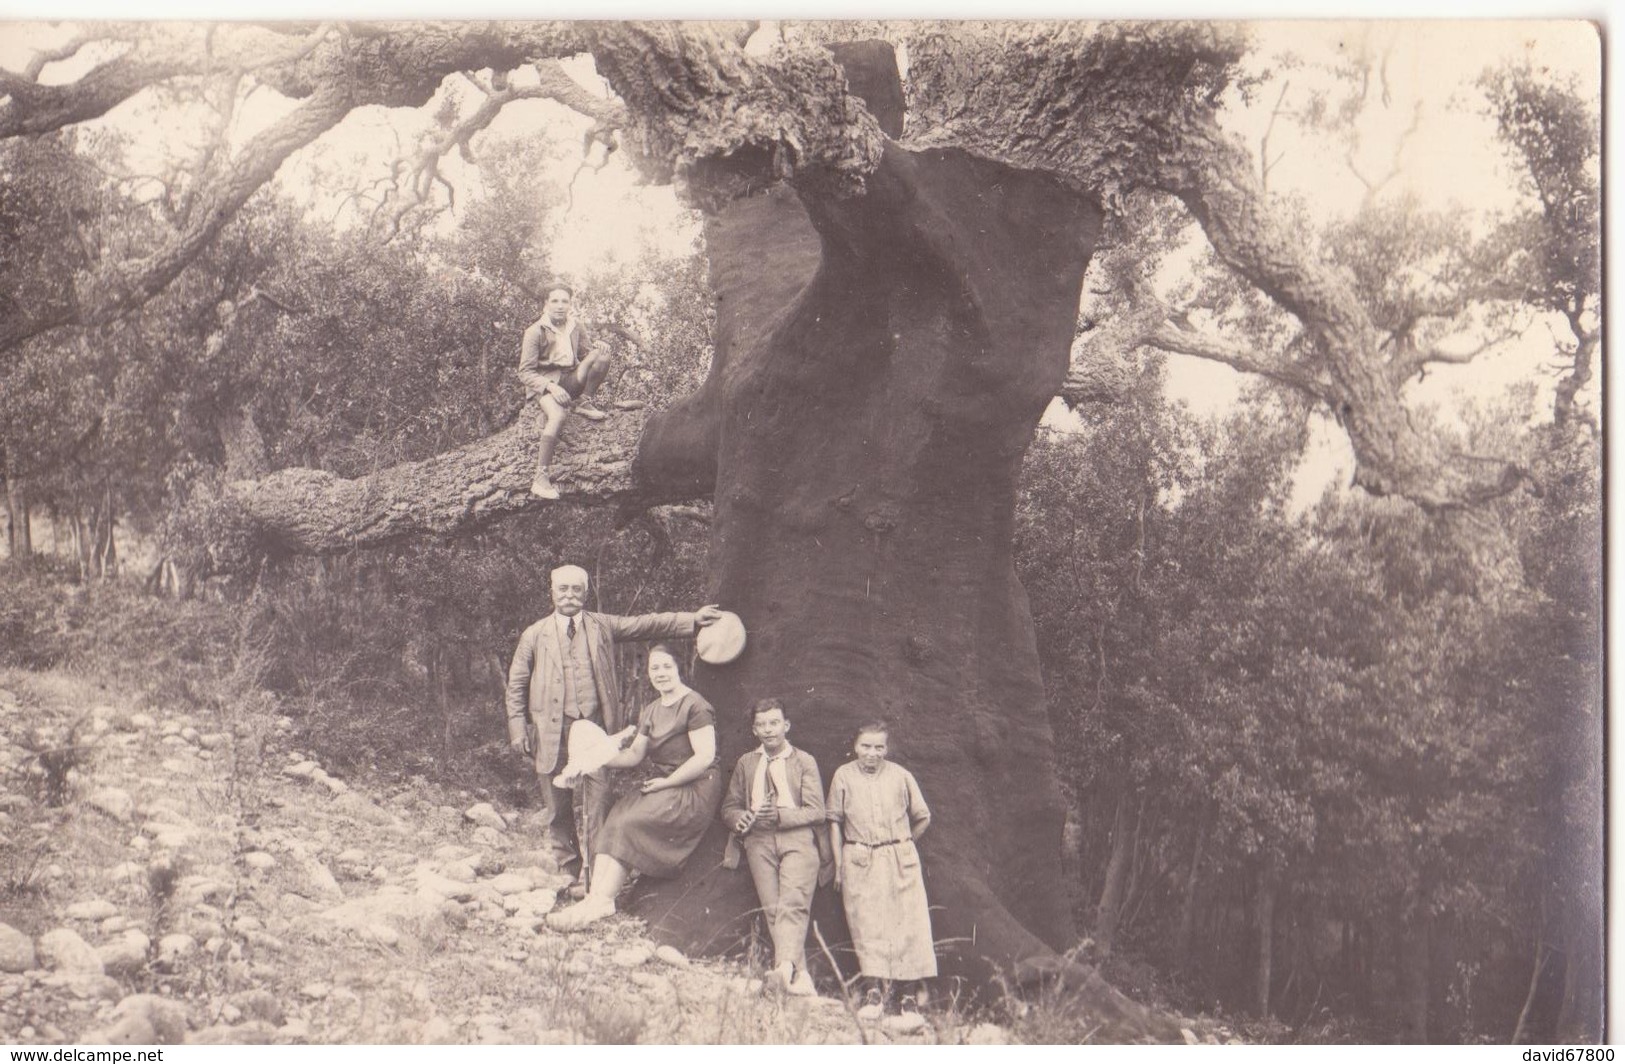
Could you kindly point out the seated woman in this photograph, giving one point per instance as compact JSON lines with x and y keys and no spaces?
{"x":654,"y":831}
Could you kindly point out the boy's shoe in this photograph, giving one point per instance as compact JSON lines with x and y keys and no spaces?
{"x":584,"y":406}
{"x":543,"y":488}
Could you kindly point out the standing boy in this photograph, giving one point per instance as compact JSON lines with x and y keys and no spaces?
{"x":775,"y":808}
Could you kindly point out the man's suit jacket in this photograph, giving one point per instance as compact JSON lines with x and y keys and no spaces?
{"x":536,"y":677}
{"x":806,"y":789}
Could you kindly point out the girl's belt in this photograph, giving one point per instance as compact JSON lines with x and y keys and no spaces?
{"x":875,"y":845}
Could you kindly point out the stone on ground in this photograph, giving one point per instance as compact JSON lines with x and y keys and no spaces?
{"x":16,"y":950}
{"x":62,"y":950}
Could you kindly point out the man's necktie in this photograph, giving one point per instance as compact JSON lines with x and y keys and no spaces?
{"x":570,"y":628}
{"x":770,"y":793}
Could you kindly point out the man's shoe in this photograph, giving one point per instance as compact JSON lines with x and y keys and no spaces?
{"x":578,"y":890}
{"x":543,"y":488}
{"x":802,"y":985}
{"x":585,"y":407}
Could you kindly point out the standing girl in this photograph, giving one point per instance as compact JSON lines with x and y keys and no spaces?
{"x":876,"y":811}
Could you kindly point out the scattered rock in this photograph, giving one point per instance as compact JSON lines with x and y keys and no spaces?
{"x":190,"y":734}
{"x":213,"y":740}
{"x":357,"y":805}
{"x":1189,"y":1036}
{"x":126,"y":954}
{"x":315,"y":991}
{"x":871,"y":1013}
{"x":295,"y":1030}
{"x":128,"y":872}
{"x":657,"y":985}
{"x":304,"y":770}
{"x":511,"y":883}
{"x":114,"y":802}
{"x":485,"y":815}
{"x":259,"y":861}
{"x":62,"y":950}
{"x":252,"y":1033}
{"x":671,"y":955}
{"x":382,"y":917}
{"x":96,"y":909}
{"x":904,"y":1023}
{"x":143,"y":1019}
{"x":199,"y":889}
{"x":335,"y":786}
{"x":321,"y":880}
{"x":175,"y":948}
{"x":486,"y":835}
{"x":141,"y":721}
{"x":986,"y":1034}
{"x":259,"y":1004}
{"x":16,"y":950}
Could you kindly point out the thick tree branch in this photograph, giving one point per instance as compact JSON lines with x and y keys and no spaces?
{"x":1179,"y":341}
{"x":333,"y":73}
{"x":1119,"y":107}
{"x":721,"y":124}
{"x":308,"y":511}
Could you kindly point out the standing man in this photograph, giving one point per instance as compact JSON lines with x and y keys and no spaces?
{"x":563,"y":671}
{"x":558,"y":362}
{"x":775,"y":808}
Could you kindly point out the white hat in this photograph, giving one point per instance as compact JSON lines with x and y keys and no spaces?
{"x":721,"y":641}
{"x":590,"y":750}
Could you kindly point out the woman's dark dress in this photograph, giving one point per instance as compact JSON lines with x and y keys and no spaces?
{"x":654,"y":833}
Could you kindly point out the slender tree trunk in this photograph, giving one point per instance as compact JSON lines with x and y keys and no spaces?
{"x":1580,"y":1017}
{"x":1534,"y":984}
{"x":1187,"y":905}
{"x":1266,"y":936}
{"x":1110,"y":905}
{"x":18,"y":534}
{"x":1416,"y":961}
{"x":81,"y":545}
{"x":106,"y":559}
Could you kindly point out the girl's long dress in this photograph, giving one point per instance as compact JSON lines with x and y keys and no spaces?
{"x":655,"y":833}
{"x":882,"y":890}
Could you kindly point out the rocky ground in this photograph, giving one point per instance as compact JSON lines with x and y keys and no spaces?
{"x":166,"y":878}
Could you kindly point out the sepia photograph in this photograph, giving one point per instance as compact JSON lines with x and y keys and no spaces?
{"x":793,"y":532}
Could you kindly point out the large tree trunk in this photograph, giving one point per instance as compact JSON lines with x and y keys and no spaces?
{"x":867,"y":436}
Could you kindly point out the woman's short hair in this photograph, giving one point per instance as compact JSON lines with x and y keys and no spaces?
{"x":663,"y":648}
{"x":873,"y":726}
{"x":767,"y":705}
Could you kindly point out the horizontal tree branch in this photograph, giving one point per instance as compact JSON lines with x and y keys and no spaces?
{"x":307,"y":511}
{"x":1172,"y":338}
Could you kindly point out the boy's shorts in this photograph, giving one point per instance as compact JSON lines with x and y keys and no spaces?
{"x":568,"y":379}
